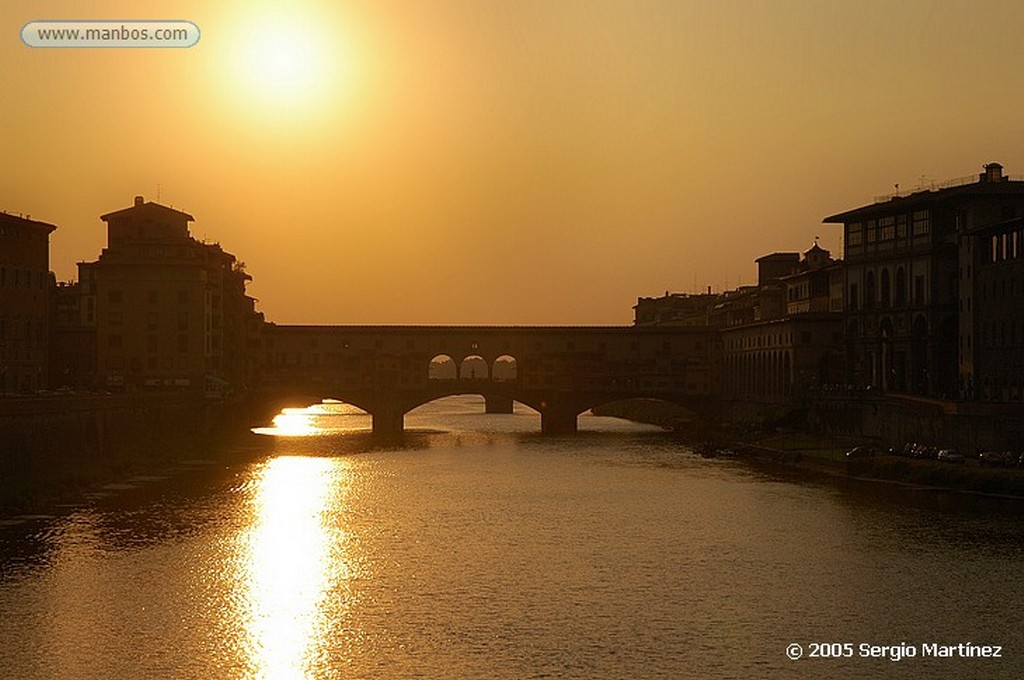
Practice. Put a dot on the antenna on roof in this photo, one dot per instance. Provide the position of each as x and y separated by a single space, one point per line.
158 192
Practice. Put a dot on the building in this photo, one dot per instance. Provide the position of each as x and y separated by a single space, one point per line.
991 340
675 309
781 339
816 286
72 339
24 306
170 312
910 260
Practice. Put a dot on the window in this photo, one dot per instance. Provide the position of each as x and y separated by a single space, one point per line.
901 287
854 235
922 223
887 228
871 231
901 226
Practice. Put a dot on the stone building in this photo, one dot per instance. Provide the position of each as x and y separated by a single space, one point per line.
909 264
72 339
170 312
991 341
781 339
24 307
675 309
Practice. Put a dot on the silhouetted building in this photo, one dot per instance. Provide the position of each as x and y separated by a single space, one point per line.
170 311
816 286
780 360
72 339
675 309
909 265
24 307
781 338
775 266
991 342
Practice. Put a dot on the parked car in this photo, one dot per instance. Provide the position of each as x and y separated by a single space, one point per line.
923 452
950 456
996 458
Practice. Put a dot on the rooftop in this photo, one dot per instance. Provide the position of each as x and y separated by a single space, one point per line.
143 207
25 221
991 181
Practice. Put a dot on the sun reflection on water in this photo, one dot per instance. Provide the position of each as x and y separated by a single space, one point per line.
294 422
294 557
327 417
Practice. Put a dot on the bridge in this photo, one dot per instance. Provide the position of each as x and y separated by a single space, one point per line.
558 371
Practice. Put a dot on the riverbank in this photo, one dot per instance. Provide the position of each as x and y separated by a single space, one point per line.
817 453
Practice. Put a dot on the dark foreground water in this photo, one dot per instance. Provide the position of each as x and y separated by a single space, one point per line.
482 550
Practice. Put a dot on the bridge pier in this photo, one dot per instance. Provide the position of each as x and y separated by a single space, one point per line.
388 421
498 404
558 421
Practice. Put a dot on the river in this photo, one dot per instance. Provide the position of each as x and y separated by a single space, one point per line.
479 549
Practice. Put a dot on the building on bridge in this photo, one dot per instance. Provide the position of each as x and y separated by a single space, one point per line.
558 371
24 307
169 311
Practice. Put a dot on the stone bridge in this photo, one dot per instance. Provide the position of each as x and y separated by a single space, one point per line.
558 371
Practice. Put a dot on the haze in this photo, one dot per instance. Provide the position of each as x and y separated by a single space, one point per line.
503 162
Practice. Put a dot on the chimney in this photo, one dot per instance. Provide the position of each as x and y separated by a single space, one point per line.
138 201
993 173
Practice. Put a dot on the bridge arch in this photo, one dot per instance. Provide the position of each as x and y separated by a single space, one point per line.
505 368
442 367
474 367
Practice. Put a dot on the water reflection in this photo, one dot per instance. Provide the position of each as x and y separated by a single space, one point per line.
294 422
327 417
293 558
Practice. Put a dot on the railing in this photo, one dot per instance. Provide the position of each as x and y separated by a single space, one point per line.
948 184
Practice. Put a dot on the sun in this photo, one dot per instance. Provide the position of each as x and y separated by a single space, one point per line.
286 59
282 59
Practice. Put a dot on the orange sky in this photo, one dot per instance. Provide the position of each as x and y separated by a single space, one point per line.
502 162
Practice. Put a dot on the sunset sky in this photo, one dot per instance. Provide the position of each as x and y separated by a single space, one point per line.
503 162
